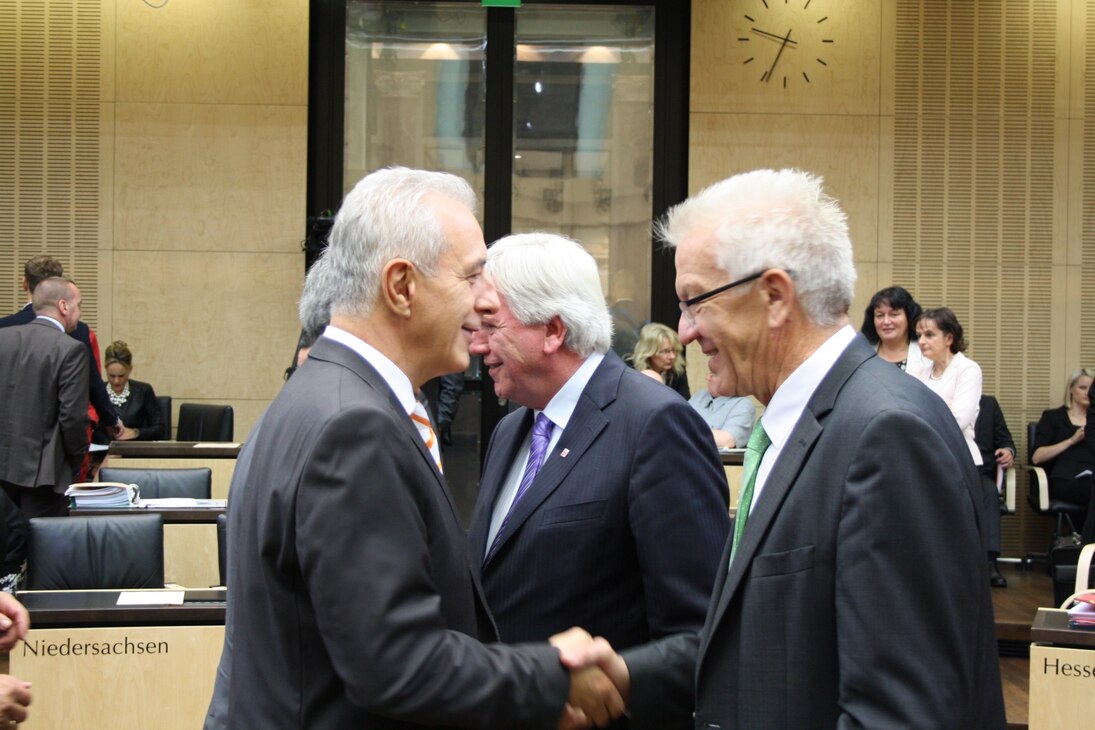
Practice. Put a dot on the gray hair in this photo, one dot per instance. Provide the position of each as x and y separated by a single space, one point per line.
386 217
775 220
542 275
315 302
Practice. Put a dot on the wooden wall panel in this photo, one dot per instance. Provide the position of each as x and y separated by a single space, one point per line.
214 177
49 143
213 52
208 325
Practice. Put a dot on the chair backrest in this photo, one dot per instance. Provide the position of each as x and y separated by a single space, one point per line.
204 422
108 551
164 402
222 547
160 483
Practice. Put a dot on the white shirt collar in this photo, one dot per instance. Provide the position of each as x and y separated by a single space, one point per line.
51 320
561 406
396 379
790 399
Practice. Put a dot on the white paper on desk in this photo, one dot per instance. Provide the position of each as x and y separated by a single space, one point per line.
181 503
215 445
97 448
150 598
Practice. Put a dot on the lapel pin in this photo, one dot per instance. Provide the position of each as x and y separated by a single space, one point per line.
563 453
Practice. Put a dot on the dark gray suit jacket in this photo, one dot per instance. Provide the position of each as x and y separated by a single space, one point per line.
620 536
43 405
351 594
860 595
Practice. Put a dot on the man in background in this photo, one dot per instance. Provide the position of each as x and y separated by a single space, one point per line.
351 596
35 270
43 405
603 502
997 456
854 590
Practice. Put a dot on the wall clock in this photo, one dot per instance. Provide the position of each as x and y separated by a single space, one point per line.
784 44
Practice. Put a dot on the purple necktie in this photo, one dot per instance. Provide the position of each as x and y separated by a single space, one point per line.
541 436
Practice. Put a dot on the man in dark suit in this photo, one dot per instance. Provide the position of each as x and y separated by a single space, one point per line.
857 592
35 270
352 599
43 409
621 526
997 453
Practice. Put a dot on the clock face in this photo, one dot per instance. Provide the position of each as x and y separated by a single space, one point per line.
784 44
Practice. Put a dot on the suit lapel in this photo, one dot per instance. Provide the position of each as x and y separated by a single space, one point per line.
586 423
506 440
337 353
782 478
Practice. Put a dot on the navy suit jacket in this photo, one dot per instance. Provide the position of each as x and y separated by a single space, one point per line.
621 531
97 394
859 596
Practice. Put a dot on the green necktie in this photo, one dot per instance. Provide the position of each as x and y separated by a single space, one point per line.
754 451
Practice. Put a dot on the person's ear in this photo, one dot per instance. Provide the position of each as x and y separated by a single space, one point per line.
780 296
397 286
555 335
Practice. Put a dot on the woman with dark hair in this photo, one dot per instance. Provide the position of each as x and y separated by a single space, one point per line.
957 380
659 354
135 401
888 325
947 372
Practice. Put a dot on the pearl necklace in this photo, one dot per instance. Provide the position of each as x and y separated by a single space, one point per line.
119 399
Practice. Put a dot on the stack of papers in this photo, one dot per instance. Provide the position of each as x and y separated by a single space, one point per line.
1082 615
102 495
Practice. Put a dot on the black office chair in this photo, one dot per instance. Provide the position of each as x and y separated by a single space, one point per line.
1040 502
161 483
108 552
222 547
164 402
204 422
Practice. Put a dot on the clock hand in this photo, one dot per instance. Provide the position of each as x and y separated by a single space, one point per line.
773 36
786 39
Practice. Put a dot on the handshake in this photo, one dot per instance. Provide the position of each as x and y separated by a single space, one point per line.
600 684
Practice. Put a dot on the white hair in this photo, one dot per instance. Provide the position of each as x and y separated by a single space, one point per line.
315 301
385 217
542 275
775 220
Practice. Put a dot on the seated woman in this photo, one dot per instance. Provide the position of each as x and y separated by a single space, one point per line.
135 401
1060 449
888 325
730 419
957 380
658 354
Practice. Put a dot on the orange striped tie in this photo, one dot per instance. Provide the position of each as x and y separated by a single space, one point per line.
425 430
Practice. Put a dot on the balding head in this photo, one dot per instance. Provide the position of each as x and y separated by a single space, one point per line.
59 298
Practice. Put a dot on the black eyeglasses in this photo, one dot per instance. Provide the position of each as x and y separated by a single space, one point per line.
686 305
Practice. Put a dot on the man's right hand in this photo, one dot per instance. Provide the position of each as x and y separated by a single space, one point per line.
14 699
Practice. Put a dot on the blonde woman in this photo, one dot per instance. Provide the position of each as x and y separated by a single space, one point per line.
1059 444
659 354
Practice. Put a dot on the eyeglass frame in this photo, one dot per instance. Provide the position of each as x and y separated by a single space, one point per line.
715 292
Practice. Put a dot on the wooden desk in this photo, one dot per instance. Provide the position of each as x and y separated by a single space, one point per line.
190 552
1062 667
96 665
220 458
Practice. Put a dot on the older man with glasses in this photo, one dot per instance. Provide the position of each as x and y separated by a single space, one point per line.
854 591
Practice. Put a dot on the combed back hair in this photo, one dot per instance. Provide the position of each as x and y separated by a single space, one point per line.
315 302
542 275
381 219
770 219
894 297
118 352
39 268
651 337
50 291
1072 378
946 321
